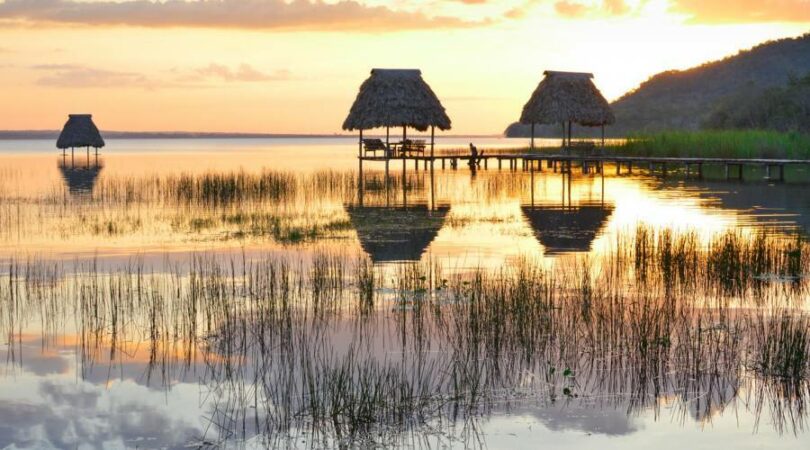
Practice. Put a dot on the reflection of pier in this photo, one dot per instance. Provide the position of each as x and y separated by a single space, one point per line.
80 176
567 227
390 234
391 226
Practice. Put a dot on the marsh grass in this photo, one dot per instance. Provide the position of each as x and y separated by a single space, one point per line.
346 353
718 144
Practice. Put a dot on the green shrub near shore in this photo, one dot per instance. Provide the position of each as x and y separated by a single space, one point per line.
718 144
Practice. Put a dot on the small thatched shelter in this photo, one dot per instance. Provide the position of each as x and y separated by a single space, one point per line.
80 131
396 98
566 98
392 234
562 229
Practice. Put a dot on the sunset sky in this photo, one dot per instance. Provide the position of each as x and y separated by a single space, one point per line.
295 66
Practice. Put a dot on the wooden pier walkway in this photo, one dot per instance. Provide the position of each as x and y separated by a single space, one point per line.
565 162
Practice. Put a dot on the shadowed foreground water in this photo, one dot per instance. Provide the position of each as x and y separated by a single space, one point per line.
152 300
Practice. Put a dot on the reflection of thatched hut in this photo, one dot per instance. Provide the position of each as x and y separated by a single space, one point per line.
566 98
79 131
396 98
567 229
389 234
80 178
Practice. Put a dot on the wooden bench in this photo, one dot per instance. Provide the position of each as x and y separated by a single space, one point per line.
413 146
373 146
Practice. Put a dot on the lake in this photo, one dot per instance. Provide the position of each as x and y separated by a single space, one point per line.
247 293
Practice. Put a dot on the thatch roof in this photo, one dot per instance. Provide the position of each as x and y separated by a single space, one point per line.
395 98
563 229
390 234
567 97
81 178
79 131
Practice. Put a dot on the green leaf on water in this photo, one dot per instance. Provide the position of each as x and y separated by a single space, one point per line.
568 372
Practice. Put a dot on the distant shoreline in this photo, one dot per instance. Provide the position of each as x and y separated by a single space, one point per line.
8 135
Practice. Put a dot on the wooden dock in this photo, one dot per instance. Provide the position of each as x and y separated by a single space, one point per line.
733 167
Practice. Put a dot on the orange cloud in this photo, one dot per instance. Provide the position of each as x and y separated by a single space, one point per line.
576 9
345 15
78 76
570 9
744 11
75 76
245 73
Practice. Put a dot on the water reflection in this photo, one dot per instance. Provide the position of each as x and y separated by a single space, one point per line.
80 176
266 312
757 204
395 234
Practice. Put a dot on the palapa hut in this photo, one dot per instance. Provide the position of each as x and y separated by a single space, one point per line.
80 131
396 98
563 229
395 234
565 98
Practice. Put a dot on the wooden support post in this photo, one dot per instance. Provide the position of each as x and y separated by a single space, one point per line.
360 153
603 135
500 161
532 144
432 140
442 163
767 171
781 172
664 169
618 167
726 170
569 133
404 184
740 172
700 171
630 167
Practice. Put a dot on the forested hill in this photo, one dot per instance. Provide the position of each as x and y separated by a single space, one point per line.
684 100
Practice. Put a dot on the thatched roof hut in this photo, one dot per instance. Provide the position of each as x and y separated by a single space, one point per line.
566 98
79 131
562 229
392 234
396 98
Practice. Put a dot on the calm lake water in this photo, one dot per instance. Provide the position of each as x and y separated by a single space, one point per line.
257 292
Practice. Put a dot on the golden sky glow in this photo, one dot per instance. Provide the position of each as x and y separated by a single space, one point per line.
294 67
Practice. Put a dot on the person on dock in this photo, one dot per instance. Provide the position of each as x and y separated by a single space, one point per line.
475 157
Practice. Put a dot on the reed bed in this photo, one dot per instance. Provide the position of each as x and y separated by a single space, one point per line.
718 144
342 353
